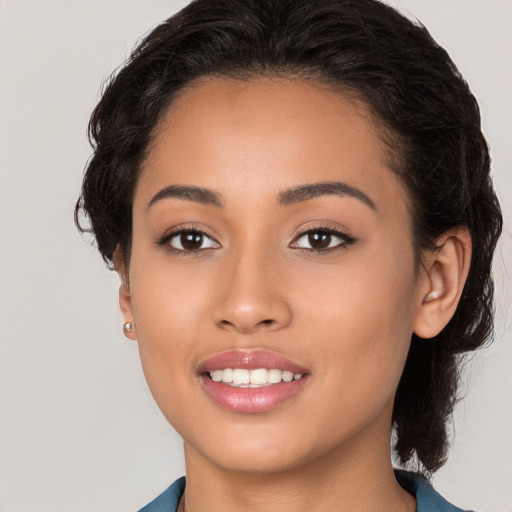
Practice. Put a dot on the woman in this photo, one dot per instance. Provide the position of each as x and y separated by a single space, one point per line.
296 197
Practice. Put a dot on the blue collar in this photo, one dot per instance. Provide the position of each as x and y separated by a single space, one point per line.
428 500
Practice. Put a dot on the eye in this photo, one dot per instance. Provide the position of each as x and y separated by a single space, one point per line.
189 240
322 240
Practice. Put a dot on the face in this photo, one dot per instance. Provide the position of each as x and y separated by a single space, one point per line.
271 238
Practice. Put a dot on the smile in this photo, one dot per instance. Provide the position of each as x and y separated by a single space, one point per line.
251 381
260 377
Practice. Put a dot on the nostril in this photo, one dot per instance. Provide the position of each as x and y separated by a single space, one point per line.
242 326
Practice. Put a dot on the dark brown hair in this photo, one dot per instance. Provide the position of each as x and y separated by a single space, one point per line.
417 95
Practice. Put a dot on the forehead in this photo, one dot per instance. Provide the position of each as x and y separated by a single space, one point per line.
265 134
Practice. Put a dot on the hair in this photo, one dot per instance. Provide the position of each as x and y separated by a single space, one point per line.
427 114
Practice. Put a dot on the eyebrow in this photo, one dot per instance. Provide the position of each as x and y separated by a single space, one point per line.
288 197
327 188
187 193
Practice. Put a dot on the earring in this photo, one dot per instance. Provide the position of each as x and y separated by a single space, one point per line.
432 295
127 327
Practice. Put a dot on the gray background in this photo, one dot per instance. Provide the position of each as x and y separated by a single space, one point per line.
78 428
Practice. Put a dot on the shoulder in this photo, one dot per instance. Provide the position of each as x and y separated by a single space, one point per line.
428 500
168 500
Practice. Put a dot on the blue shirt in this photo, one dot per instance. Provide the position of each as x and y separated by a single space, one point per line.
427 499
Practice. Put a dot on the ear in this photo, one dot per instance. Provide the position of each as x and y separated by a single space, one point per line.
125 300
445 273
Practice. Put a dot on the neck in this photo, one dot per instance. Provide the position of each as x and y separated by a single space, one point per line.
347 479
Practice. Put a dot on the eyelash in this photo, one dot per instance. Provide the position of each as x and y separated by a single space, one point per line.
346 240
165 240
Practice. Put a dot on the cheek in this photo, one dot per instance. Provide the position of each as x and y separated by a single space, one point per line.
166 299
362 322
167 313
367 289
167 335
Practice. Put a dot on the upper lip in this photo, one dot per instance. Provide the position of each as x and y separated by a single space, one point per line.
249 360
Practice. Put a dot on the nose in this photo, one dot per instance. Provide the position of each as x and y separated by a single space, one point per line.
252 297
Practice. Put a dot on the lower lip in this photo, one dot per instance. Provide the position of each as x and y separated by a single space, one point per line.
252 400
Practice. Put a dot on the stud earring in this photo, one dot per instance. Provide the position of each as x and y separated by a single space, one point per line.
432 295
127 327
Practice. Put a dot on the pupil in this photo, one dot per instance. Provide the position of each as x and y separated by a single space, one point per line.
319 239
191 241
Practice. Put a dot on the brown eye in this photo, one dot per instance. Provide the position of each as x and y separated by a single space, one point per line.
322 240
191 241
319 240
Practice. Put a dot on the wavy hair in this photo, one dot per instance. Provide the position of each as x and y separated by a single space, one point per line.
428 117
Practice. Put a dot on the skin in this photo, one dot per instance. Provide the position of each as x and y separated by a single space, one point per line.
346 315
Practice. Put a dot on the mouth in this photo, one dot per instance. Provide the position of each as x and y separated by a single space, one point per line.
251 381
258 378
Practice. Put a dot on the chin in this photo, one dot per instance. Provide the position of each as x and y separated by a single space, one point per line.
249 451
262 461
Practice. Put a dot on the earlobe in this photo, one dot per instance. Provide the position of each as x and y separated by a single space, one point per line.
446 270
125 301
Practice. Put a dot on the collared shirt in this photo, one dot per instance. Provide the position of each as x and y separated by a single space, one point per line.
427 499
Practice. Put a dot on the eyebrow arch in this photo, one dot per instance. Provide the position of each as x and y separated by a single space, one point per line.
327 188
187 193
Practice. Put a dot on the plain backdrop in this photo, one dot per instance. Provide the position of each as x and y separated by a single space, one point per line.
78 428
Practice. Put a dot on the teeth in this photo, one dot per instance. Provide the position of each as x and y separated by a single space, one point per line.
240 377
274 376
259 376
227 375
287 376
217 375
